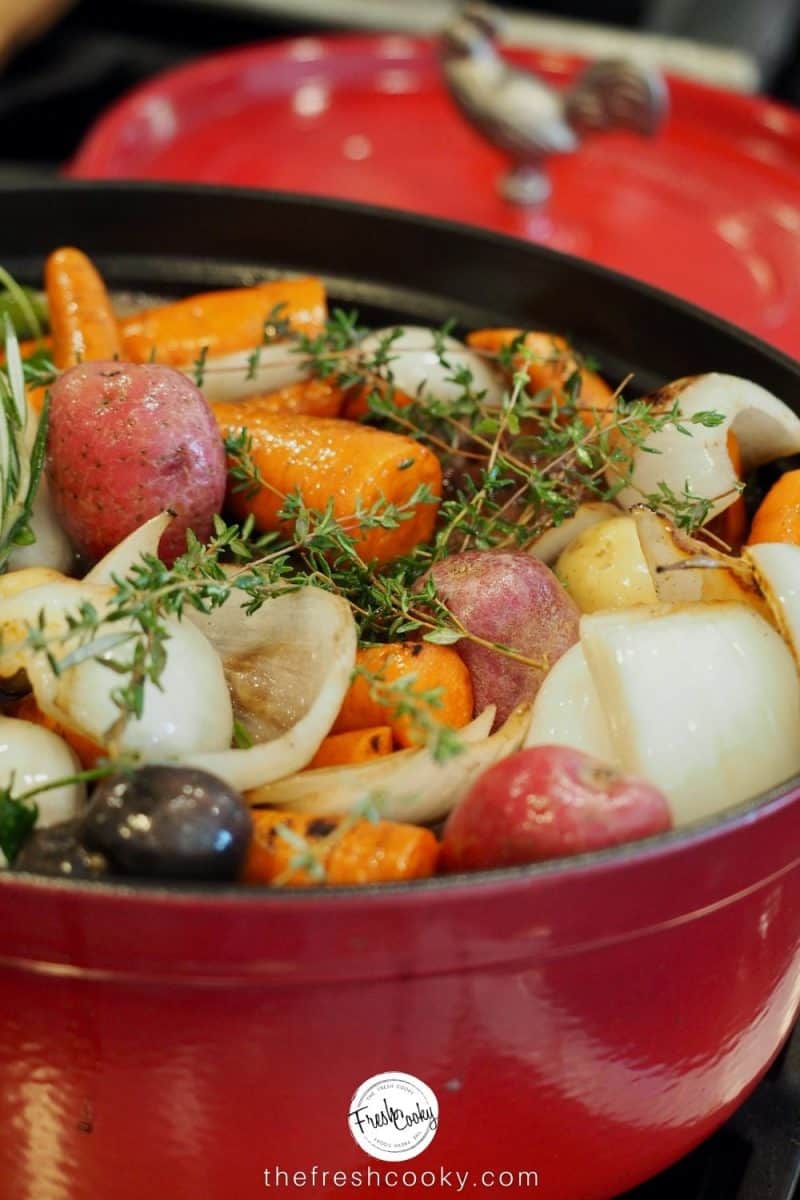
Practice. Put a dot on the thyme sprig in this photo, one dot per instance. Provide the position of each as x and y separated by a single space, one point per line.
311 855
513 469
520 466
404 698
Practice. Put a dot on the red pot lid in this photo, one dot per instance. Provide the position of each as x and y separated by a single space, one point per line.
708 209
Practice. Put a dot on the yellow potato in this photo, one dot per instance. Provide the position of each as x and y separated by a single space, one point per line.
604 567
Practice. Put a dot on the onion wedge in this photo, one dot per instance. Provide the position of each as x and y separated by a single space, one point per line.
33 756
190 709
687 571
764 426
51 547
249 372
407 786
127 553
419 370
776 570
567 710
703 701
287 667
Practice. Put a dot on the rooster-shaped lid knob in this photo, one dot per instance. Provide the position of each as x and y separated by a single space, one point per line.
523 116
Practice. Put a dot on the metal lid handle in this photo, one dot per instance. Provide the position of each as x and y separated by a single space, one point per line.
527 119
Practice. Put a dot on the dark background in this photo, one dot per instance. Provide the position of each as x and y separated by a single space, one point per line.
52 90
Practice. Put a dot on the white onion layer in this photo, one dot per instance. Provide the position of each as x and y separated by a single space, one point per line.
703 701
233 376
288 666
764 426
407 786
190 710
418 370
567 710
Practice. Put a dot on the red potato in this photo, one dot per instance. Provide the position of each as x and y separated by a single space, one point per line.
510 599
126 442
548 802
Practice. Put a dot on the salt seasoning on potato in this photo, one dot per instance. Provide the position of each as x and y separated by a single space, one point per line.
124 443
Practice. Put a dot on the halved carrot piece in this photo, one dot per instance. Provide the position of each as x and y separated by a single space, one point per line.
349 464
432 666
778 515
356 405
312 397
552 364
366 852
360 745
216 323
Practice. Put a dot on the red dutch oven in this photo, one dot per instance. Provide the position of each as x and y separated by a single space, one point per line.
708 209
582 1023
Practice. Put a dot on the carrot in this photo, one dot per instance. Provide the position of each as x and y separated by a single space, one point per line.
313 397
731 525
356 405
552 365
364 852
36 397
82 321
360 745
351 465
217 323
432 667
88 751
778 516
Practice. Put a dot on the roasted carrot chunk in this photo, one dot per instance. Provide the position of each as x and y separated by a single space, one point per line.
552 364
433 667
731 525
778 516
353 466
217 323
365 852
360 745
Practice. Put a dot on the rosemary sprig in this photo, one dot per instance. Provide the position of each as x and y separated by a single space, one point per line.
22 450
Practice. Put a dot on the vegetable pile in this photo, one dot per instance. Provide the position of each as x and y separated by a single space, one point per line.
287 601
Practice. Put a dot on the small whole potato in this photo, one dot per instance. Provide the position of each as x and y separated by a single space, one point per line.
604 567
126 442
510 599
548 802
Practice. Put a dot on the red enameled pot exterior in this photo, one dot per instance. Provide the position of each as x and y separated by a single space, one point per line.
587 1021
589 1024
